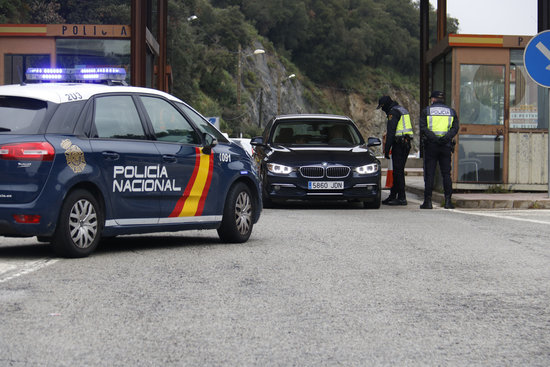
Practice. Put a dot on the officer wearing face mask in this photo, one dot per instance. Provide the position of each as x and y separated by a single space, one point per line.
399 134
438 127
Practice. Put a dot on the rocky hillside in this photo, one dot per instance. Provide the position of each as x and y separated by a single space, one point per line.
298 95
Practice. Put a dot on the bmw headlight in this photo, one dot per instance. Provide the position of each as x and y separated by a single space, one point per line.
279 169
367 169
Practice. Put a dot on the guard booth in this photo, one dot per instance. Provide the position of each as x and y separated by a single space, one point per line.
503 114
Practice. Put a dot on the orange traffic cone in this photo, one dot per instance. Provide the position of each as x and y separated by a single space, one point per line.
389 174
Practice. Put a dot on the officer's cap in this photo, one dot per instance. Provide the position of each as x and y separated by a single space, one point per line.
437 94
384 100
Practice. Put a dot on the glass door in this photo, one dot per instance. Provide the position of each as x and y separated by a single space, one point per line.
482 108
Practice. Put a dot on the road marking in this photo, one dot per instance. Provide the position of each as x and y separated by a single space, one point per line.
13 269
512 215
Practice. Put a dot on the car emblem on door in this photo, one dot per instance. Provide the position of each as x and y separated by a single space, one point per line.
74 156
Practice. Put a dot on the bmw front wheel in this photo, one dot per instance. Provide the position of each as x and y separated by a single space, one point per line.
374 203
238 215
79 226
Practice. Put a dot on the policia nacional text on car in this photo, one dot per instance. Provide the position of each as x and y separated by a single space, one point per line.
438 127
399 133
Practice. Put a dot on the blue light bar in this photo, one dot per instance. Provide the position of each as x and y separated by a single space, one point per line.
87 74
45 74
76 74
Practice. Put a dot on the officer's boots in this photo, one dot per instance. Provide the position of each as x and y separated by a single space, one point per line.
448 203
427 204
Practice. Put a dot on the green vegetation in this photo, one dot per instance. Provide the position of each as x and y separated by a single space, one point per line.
496 189
366 46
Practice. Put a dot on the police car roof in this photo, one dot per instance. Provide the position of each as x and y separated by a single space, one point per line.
68 92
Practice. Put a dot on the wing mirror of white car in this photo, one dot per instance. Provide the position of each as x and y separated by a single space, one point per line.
258 140
373 142
209 143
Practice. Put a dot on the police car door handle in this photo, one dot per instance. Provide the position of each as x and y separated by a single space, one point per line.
111 156
169 158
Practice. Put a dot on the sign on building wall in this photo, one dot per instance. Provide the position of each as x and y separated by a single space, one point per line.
65 30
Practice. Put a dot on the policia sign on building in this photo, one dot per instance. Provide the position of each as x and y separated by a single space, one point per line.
65 30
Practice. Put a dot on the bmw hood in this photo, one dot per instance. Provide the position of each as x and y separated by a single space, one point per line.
304 156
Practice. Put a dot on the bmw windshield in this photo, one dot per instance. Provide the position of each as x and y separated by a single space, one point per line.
316 133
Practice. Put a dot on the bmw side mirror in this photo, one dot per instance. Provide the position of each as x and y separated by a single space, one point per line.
373 142
258 140
209 143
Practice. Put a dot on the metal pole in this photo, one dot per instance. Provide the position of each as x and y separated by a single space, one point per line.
441 19
260 109
279 82
543 23
239 78
424 45
162 31
137 43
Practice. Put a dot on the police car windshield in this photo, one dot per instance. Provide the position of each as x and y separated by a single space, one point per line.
20 115
203 125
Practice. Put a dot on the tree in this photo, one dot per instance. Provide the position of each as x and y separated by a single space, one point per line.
13 11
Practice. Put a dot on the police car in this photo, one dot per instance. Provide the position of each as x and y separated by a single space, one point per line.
82 161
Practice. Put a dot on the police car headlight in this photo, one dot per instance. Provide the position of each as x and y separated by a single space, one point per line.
279 169
367 169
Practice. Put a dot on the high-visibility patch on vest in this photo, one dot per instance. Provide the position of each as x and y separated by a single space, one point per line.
404 126
440 120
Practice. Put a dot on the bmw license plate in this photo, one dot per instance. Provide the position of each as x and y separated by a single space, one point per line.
326 185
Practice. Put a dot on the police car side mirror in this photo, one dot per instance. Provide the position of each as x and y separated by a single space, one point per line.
209 143
373 142
258 140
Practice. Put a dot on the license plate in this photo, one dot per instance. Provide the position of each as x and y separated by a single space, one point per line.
326 185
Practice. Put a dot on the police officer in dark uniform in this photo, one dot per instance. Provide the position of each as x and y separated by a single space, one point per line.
399 133
438 127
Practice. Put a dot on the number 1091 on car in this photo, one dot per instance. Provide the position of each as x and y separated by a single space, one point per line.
326 185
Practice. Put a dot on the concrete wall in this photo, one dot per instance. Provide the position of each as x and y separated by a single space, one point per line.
528 159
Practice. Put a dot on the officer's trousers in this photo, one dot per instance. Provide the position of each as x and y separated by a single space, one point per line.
436 153
400 152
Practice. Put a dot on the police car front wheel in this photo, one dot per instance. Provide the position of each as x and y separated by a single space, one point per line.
238 212
79 226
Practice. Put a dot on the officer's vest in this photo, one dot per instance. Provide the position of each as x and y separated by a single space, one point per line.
440 120
404 126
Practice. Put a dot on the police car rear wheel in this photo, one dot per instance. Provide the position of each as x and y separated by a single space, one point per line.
79 226
238 212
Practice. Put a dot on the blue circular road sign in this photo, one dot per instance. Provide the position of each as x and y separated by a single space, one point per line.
536 58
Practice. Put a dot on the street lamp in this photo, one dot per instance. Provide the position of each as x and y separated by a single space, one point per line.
279 84
257 51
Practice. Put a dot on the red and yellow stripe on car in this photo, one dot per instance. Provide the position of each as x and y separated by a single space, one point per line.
191 203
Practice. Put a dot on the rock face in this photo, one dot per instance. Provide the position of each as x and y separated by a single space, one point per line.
273 92
372 122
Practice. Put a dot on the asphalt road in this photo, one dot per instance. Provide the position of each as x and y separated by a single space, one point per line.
322 286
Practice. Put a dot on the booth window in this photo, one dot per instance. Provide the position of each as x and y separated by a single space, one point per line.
482 94
75 52
442 74
480 158
15 66
528 107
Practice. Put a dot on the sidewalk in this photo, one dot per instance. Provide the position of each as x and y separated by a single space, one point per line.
414 182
